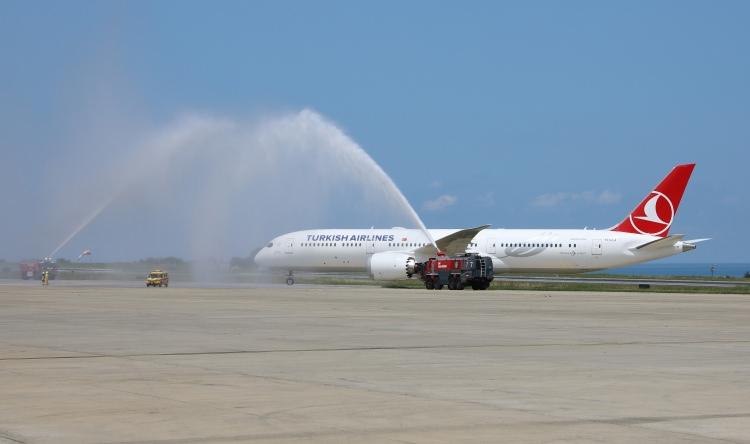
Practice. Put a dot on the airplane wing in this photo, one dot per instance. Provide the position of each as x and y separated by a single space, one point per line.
452 243
660 243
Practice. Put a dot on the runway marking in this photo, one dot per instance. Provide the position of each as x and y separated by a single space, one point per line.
5 436
373 348
625 421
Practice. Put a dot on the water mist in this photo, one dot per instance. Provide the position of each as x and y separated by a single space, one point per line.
274 174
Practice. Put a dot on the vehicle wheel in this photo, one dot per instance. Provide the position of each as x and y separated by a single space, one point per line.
438 286
428 284
290 281
166 285
459 285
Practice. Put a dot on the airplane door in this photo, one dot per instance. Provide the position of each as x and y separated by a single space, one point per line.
369 247
289 246
579 249
596 247
491 248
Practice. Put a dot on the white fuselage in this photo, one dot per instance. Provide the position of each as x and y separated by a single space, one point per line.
511 250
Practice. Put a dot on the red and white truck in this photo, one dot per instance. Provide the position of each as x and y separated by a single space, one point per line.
457 272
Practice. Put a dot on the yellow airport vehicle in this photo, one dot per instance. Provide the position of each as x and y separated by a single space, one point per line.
157 278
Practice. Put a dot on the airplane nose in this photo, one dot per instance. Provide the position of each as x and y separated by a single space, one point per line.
260 258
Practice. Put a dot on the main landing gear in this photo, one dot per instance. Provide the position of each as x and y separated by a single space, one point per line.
290 278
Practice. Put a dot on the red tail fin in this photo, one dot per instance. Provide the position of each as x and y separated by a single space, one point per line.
656 213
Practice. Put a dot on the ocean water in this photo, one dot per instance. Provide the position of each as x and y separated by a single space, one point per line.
735 269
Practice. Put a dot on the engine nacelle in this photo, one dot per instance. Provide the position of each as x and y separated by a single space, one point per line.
391 266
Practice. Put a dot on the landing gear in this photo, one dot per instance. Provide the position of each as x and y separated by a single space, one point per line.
290 278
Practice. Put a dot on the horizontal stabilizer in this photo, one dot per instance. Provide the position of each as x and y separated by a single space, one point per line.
664 242
695 241
453 243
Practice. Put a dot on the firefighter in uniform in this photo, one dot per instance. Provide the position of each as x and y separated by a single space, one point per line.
45 278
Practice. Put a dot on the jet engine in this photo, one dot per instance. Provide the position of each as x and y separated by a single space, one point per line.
391 266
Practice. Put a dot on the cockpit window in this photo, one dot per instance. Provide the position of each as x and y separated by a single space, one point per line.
270 244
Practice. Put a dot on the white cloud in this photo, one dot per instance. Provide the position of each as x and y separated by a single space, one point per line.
440 202
605 197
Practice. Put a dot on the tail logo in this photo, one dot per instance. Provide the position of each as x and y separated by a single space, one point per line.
658 214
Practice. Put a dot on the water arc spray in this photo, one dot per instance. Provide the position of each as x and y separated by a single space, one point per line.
241 152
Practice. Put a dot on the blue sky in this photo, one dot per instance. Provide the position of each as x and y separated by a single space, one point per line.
518 114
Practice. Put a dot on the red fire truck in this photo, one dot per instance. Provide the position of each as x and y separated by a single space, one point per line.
457 272
33 269
30 270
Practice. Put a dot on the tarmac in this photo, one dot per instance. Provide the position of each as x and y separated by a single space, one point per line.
101 364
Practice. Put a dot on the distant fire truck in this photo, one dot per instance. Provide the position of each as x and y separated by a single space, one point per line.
34 269
457 272
30 270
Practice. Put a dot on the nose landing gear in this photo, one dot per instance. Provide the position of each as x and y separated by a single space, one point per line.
290 278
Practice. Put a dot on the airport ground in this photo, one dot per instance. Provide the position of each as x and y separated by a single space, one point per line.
94 362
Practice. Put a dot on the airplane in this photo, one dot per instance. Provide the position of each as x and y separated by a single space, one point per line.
392 254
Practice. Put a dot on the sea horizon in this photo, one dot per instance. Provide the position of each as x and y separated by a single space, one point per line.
720 269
